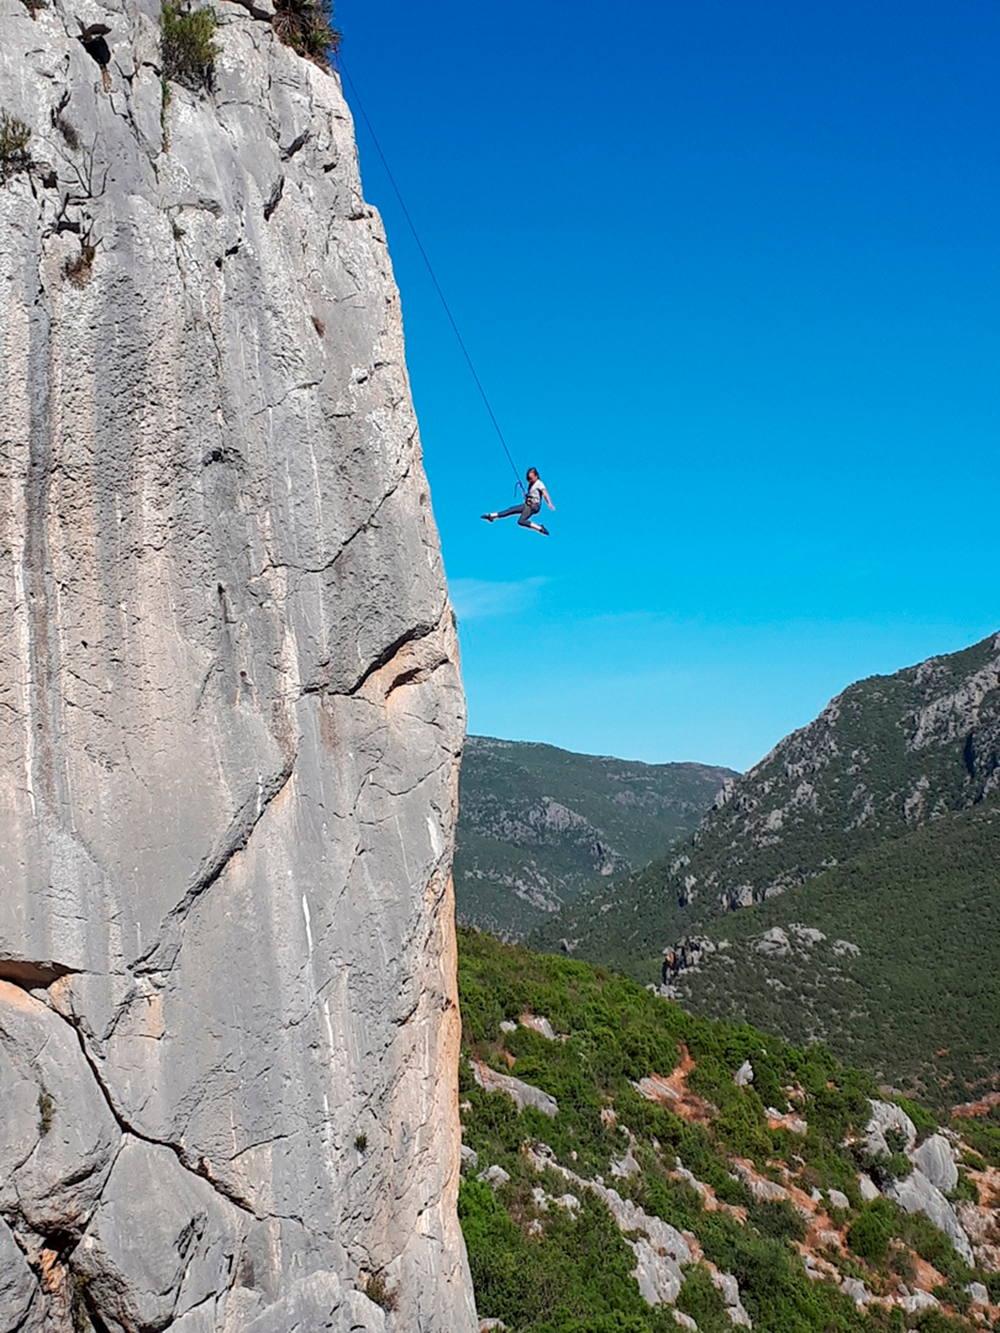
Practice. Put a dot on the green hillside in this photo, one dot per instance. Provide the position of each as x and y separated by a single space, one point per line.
907 978
874 825
660 1187
537 825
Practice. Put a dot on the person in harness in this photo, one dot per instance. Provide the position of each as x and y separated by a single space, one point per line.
533 498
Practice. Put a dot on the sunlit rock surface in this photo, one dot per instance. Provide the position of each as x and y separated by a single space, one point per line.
230 711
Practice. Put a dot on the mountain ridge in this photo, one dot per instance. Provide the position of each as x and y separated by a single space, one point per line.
538 824
884 783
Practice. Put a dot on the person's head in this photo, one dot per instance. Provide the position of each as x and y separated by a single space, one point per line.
532 474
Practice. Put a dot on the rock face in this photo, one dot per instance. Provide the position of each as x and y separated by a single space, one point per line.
231 711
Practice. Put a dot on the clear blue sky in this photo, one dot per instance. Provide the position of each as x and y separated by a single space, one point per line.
730 275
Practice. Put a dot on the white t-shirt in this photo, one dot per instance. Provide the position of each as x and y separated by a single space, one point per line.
535 491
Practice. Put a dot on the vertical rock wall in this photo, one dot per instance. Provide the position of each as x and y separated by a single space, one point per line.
230 712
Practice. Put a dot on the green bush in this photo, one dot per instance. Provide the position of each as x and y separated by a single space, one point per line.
934 1321
932 1244
778 1219
924 1120
307 27
871 1233
14 138
983 1137
965 1188
189 46
701 1299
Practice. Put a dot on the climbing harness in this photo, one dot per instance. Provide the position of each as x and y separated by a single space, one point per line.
430 270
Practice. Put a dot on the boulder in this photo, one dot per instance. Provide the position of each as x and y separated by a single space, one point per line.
978 1293
538 1023
494 1176
885 1116
857 1291
867 1187
729 1289
936 1159
920 1300
523 1094
744 1075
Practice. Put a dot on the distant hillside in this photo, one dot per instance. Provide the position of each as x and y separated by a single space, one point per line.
628 1168
537 825
874 825
893 959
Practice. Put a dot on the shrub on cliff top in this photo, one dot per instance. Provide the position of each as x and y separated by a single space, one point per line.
189 47
307 27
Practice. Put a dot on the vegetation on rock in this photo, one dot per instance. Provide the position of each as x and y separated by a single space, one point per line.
743 1173
15 136
189 46
307 26
862 853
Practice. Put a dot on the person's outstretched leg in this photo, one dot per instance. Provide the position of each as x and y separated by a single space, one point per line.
504 513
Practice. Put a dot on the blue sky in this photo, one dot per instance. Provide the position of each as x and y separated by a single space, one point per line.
730 276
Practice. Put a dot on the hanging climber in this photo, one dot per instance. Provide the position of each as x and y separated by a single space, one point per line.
533 498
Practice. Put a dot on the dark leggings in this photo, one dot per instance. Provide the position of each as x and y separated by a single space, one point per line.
526 510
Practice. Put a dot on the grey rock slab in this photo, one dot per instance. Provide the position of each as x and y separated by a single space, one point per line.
523 1094
232 709
540 1024
18 1288
744 1075
886 1116
57 1134
857 1291
625 1166
838 1199
729 1288
494 1176
936 1159
867 1187
978 1293
915 1194
919 1300
161 1242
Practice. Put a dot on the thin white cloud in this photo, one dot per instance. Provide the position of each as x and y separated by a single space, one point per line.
481 599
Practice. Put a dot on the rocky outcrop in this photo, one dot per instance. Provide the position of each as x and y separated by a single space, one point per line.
522 1094
934 1171
231 711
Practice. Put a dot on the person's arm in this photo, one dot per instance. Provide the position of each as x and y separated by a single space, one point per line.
548 500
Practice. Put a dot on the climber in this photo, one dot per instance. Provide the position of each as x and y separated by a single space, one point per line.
670 968
533 498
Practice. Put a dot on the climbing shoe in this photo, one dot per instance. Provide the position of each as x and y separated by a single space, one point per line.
489 517
543 529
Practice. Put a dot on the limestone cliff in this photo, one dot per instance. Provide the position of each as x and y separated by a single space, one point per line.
230 712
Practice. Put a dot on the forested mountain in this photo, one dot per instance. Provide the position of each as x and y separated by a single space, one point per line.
874 827
629 1168
537 825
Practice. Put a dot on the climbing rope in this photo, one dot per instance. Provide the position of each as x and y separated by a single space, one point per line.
430 270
